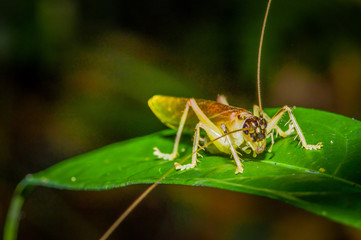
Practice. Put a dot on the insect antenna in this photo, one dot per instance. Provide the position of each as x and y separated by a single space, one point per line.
259 60
151 187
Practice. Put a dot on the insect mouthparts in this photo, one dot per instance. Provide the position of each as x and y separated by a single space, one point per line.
261 136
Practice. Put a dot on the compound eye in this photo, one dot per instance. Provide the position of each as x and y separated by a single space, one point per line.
263 123
246 126
251 130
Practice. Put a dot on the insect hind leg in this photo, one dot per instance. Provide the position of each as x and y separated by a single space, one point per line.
202 118
272 124
174 154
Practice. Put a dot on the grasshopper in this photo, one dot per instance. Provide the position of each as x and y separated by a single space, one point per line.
227 129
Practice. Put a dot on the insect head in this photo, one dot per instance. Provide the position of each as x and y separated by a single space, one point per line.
257 128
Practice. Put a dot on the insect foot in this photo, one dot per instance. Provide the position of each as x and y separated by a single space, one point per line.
164 155
314 147
183 167
239 170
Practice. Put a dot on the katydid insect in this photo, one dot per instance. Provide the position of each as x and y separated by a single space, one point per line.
227 129
217 119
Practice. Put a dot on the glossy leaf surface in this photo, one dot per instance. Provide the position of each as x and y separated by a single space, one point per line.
326 182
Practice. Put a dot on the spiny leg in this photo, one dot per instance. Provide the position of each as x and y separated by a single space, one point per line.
272 124
234 152
205 123
214 132
173 155
202 118
196 146
272 141
194 151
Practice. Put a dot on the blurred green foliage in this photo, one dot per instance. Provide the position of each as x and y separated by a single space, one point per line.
76 75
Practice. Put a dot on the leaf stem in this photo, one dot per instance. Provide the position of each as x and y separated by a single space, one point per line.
14 212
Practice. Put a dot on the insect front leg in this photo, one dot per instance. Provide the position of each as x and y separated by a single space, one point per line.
234 152
174 154
272 124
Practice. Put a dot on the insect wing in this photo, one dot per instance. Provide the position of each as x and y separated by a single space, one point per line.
169 110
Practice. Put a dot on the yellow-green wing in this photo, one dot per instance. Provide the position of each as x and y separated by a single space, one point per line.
169 110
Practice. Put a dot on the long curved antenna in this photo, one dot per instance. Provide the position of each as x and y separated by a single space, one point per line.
151 187
133 205
259 60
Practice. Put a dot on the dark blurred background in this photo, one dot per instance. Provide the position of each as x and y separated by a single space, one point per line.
76 75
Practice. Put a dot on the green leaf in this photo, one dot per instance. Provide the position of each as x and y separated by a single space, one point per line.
326 182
